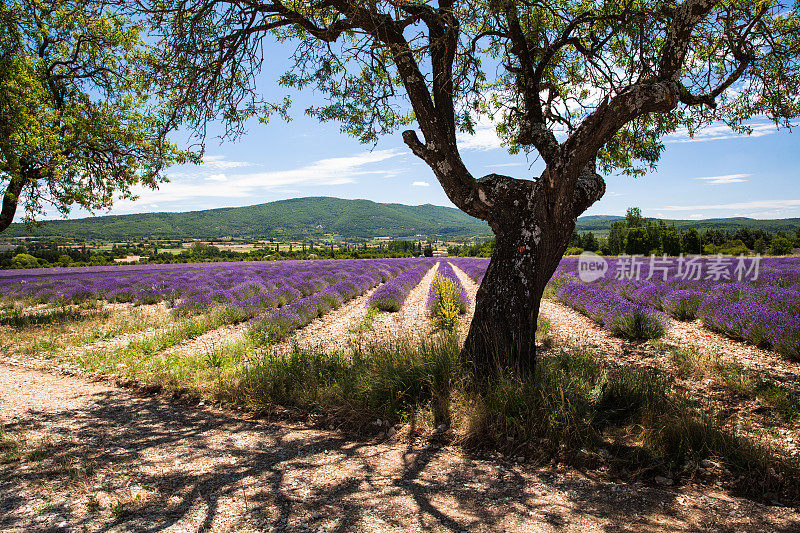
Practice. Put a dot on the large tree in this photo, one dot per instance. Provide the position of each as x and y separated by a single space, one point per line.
589 87
76 125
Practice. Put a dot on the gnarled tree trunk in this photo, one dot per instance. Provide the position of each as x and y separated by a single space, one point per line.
532 230
503 329
10 201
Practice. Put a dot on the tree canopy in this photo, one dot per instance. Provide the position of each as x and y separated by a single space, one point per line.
637 69
76 123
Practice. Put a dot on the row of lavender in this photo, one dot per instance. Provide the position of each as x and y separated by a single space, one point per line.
250 287
276 324
619 315
753 300
391 295
757 300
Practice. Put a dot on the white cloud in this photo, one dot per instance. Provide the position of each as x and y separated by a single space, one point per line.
726 179
484 139
220 162
721 131
696 216
420 184
187 184
742 206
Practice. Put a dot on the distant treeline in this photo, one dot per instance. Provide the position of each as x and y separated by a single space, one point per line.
636 235
46 254
632 235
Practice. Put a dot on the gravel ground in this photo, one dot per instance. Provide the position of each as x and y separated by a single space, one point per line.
333 331
410 322
577 328
99 458
745 415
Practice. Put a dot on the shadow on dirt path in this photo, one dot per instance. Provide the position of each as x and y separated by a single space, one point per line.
80 455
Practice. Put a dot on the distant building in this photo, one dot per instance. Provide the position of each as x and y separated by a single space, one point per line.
440 253
128 259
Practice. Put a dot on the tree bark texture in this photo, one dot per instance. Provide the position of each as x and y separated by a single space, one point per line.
531 235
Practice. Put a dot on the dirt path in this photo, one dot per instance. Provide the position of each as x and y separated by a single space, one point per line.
98 458
472 290
332 331
127 323
410 322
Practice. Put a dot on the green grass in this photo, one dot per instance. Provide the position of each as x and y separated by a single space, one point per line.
11 446
149 351
691 362
387 382
48 339
785 402
60 315
544 332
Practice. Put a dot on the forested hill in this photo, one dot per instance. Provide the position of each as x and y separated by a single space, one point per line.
295 219
300 218
600 223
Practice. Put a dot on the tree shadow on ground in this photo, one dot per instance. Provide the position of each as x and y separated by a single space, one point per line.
133 462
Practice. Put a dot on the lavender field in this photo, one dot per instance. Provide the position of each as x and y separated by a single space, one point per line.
335 334
749 299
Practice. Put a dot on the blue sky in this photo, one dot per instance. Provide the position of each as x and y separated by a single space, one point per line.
715 174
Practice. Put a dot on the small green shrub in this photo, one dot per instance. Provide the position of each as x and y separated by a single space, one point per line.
446 304
638 324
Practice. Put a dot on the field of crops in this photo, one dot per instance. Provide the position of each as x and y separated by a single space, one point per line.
757 301
752 300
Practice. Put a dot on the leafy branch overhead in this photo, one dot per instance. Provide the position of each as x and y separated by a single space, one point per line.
620 73
76 123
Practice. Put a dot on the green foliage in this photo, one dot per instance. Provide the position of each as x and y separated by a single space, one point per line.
76 123
24 261
780 246
690 241
446 305
576 57
616 237
368 322
638 325
637 241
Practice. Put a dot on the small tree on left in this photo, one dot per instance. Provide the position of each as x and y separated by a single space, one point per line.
76 124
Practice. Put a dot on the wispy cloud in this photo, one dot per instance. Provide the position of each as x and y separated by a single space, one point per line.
484 139
200 182
721 131
739 206
220 162
420 184
726 179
